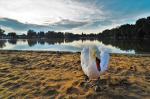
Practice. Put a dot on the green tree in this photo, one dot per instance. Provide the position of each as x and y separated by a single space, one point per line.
1 32
31 34
12 35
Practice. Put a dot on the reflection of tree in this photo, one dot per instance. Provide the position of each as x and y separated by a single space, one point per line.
32 42
67 40
24 40
12 41
2 43
54 41
138 45
41 41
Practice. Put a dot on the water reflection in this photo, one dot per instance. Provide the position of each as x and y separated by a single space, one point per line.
117 46
12 41
32 42
2 43
139 46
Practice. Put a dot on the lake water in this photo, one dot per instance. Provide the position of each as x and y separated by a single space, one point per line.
62 45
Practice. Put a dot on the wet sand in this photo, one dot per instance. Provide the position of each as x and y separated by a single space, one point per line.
29 74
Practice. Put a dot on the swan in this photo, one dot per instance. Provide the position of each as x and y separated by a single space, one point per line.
94 60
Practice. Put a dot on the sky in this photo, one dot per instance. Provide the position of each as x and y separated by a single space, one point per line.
77 16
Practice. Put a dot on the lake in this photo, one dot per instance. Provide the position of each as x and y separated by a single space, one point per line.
131 47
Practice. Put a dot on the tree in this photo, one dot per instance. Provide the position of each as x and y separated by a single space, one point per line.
1 32
31 34
12 35
140 30
143 27
41 34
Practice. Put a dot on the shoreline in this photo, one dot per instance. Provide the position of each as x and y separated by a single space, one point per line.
51 74
65 52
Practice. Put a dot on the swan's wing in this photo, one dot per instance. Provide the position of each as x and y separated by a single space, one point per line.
84 57
104 56
88 63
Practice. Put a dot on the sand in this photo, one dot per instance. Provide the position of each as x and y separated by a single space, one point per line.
42 75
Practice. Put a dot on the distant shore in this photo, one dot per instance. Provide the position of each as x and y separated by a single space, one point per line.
48 74
65 52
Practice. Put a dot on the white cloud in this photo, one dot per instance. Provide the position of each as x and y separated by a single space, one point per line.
95 30
83 15
49 11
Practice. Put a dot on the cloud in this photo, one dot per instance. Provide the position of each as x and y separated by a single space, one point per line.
68 24
40 11
18 26
70 15
61 25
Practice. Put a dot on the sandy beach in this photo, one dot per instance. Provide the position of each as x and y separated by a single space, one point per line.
44 75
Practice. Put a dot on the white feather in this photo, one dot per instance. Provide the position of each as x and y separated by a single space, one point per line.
88 61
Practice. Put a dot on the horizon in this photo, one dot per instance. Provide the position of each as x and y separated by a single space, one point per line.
90 16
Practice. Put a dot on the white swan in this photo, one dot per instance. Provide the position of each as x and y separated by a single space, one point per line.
89 64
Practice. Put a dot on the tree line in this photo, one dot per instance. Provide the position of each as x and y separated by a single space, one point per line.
140 30
49 35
